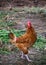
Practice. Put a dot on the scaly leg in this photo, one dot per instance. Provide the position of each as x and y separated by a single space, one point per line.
28 58
22 55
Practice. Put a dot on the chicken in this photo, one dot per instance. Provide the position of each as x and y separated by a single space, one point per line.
25 41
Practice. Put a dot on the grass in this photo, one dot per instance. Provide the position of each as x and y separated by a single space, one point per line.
30 9
5 39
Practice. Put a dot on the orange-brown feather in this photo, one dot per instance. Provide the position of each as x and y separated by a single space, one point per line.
26 40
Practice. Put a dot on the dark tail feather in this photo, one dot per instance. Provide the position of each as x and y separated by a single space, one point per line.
11 35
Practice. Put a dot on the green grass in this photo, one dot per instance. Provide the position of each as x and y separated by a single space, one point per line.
40 43
30 9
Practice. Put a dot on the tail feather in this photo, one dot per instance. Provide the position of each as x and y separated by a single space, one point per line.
11 35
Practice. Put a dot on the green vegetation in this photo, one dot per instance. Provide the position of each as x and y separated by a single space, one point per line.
4 34
30 10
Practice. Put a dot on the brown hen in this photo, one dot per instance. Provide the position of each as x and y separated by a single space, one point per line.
25 41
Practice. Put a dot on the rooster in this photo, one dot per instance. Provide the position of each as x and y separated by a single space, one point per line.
25 41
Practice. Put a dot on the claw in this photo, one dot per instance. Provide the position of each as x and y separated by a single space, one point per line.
22 57
25 56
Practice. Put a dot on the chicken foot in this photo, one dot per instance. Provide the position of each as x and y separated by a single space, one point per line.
25 56
22 55
24 51
28 58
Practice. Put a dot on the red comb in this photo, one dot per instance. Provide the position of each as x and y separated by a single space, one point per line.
29 22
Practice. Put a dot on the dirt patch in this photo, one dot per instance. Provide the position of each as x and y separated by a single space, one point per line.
14 58
22 3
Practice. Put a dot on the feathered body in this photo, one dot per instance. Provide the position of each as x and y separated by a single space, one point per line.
26 40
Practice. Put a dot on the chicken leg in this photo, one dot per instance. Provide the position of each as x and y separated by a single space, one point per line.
22 55
27 58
